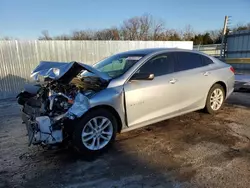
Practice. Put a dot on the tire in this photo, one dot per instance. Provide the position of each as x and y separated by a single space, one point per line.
88 131
210 106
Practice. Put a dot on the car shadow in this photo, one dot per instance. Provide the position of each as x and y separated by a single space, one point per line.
115 168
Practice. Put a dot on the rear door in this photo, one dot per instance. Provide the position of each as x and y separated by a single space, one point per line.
193 76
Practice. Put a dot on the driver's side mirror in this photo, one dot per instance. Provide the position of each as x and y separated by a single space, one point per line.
142 76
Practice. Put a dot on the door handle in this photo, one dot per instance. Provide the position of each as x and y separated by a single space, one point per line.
206 73
172 81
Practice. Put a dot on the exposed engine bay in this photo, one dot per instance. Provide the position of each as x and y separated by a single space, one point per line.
63 96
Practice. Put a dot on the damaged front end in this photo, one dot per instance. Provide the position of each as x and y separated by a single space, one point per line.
63 96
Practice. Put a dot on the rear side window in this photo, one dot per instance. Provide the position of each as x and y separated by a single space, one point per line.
206 60
159 65
187 60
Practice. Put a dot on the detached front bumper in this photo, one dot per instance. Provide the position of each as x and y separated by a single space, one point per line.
39 128
29 126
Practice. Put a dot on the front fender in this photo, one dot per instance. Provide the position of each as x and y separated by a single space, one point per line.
113 97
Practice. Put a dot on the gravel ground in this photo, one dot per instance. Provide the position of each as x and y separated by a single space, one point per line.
194 150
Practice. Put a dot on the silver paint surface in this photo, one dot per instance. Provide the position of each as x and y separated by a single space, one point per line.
142 102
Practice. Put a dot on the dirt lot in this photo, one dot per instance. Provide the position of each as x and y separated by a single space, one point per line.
194 150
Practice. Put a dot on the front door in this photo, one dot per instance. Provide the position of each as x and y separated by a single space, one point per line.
148 101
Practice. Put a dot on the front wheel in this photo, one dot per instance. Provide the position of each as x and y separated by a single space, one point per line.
215 99
95 132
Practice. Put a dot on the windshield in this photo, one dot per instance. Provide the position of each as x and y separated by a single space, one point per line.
116 65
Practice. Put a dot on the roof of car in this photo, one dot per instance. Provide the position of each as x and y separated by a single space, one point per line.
147 51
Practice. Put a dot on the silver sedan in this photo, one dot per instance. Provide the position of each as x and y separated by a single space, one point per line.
150 85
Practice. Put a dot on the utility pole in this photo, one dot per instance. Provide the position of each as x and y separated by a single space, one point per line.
223 35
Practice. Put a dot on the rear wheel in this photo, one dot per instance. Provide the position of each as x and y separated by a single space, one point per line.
95 132
215 99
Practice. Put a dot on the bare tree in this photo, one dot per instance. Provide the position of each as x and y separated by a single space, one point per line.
45 35
107 34
130 28
142 28
62 37
82 35
215 35
145 23
116 34
188 33
158 27
172 35
241 27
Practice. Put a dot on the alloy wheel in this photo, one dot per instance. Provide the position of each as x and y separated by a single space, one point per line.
97 133
216 99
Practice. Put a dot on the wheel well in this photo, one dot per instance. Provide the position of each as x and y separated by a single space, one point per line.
223 85
113 111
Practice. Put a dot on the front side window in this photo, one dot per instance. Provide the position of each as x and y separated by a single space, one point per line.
187 60
159 65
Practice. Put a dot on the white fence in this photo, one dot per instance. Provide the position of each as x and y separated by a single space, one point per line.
19 58
211 49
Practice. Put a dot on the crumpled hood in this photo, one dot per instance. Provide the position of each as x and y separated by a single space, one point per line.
63 71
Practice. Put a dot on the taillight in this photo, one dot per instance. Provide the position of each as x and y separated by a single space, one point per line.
232 69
